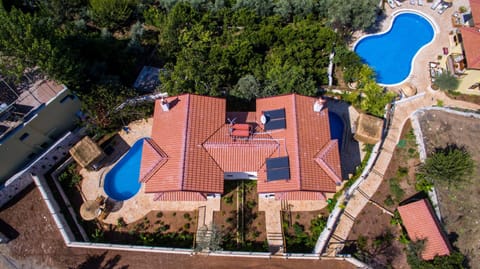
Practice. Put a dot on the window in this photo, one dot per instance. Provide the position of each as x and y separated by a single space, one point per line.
24 136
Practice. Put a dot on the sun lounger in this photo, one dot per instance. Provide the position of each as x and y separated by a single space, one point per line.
436 4
391 4
442 8
412 2
420 2
476 85
398 3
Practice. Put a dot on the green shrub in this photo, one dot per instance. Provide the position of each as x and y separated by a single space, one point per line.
396 190
389 201
228 199
121 222
159 214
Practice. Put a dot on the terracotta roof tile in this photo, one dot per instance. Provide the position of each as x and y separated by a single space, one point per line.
420 222
300 195
238 154
153 158
471 41
180 133
196 139
475 8
179 196
307 132
327 157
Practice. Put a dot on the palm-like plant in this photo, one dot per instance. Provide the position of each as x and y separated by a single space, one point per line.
446 81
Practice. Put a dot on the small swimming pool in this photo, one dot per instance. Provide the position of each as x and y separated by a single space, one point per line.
336 127
391 54
122 181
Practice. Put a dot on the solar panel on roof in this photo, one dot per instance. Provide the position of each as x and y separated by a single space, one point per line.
275 124
275 114
278 174
278 168
279 162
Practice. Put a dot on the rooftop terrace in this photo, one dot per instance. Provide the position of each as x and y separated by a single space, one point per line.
20 99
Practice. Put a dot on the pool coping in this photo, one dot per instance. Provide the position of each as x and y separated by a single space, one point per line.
110 167
431 21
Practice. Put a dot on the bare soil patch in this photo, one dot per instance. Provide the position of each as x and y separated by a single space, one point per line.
459 204
302 228
157 228
373 238
39 245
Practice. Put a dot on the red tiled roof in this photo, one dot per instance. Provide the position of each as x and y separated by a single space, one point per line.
153 158
475 8
179 196
196 139
240 155
421 223
307 132
180 133
300 195
471 41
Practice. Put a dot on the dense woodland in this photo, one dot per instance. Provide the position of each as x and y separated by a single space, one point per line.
237 48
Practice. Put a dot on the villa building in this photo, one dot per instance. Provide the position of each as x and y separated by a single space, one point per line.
471 37
33 115
285 145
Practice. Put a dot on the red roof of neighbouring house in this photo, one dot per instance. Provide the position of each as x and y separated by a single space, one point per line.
471 41
192 146
475 8
420 222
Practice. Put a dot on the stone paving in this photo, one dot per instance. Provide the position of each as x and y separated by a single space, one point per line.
403 110
370 185
142 203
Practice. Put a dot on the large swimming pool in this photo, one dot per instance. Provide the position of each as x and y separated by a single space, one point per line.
122 182
391 53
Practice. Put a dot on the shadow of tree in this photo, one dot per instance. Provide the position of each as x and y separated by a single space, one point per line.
98 261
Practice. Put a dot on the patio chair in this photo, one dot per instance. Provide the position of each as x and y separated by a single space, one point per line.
442 8
391 4
412 2
398 3
420 2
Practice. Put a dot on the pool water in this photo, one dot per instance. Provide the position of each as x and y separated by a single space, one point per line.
336 128
122 182
390 54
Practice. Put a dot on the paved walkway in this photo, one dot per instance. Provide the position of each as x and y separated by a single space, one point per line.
369 186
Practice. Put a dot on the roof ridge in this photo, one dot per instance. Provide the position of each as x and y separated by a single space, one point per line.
186 137
322 162
161 161
294 108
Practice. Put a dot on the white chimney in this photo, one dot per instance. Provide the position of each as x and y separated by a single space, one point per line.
165 105
319 104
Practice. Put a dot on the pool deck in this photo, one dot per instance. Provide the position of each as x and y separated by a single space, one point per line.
420 76
141 204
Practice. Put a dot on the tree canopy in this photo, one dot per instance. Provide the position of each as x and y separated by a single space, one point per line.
452 164
239 48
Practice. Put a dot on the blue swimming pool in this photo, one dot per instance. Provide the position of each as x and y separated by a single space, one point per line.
336 127
122 182
390 54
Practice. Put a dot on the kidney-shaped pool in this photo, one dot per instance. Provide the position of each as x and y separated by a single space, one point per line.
122 181
391 54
